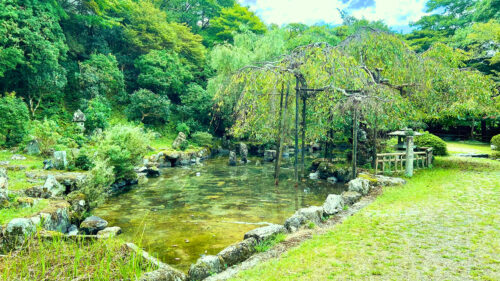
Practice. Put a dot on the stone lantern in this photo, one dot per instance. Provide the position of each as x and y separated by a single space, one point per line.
79 119
407 135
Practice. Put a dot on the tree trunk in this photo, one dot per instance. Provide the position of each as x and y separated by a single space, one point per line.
279 148
354 140
484 136
296 130
303 135
374 143
472 130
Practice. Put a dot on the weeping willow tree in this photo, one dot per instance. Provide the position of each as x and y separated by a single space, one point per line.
371 75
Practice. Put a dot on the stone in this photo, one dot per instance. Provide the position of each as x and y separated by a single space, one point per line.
179 140
16 168
57 220
17 232
79 116
314 176
294 222
238 252
332 180
232 158
4 184
92 225
333 204
205 266
327 169
359 185
243 152
389 181
60 160
17 157
164 273
151 172
53 187
33 147
4 180
142 178
72 230
313 214
263 233
269 155
109 232
26 201
4 163
47 164
350 197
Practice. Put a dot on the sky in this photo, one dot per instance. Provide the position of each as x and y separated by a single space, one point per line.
395 13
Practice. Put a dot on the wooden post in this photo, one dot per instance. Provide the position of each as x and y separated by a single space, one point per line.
280 140
296 130
354 138
303 134
409 156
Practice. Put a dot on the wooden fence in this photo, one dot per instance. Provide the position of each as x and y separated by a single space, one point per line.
397 161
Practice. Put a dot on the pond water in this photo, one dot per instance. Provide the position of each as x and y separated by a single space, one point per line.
196 210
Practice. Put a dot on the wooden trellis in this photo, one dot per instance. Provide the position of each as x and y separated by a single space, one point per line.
397 161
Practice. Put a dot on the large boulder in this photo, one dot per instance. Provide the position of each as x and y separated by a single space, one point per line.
389 181
53 187
33 147
238 252
243 152
93 224
205 266
232 158
60 160
17 232
164 273
109 232
179 140
269 155
333 204
350 197
294 222
359 185
263 233
313 214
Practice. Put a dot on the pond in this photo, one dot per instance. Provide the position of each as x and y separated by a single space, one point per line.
191 211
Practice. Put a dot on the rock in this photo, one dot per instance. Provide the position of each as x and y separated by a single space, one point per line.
4 163
243 152
17 232
333 204
33 147
263 233
332 180
109 232
16 168
269 155
238 252
60 160
151 172
327 169
17 157
359 185
72 230
294 222
389 181
47 164
142 178
164 273
53 187
313 214
179 140
26 201
93 224
204 267
4 193
232 158
473 155
314 176
79 116
56 219
350 197
4 180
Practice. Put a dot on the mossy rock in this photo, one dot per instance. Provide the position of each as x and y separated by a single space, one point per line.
370 178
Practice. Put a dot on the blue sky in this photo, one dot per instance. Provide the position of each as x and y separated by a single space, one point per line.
395 13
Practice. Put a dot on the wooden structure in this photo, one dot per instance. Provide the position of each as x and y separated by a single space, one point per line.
397 161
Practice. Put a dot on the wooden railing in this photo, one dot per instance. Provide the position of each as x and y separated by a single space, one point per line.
397 161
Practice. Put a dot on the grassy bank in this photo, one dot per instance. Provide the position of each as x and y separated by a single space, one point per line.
457 147
442 225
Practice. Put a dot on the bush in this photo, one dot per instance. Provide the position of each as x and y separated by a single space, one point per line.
202 138
183 127
46 132
148 107
496 142
97 181
13 121
97 113
123 147
430 140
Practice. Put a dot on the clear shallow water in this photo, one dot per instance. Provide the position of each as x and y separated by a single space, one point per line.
196 210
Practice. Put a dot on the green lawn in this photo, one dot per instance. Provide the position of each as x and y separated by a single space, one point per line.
7 214
442 225
457 147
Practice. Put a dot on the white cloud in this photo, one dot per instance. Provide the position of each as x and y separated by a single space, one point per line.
396 13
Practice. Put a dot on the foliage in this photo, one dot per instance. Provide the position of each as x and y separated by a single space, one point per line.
202 138
47 133
496 142
14 120
122 147
148 107
196 106
267 244
183 127
97 182
430 140
100 76
97 113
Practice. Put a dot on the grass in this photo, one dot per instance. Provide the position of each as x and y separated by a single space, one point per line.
17 179
442 225
267 244
7 214
60 259
457 147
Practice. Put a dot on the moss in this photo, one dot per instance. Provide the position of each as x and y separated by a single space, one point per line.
368 177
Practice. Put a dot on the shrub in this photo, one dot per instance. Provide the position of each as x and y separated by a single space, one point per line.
46 132
183 127
496 142
123 147
13 121
97 113
430 140
148 107
97 181
202 138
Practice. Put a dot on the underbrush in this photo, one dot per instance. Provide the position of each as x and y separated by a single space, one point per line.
60 259
267 244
